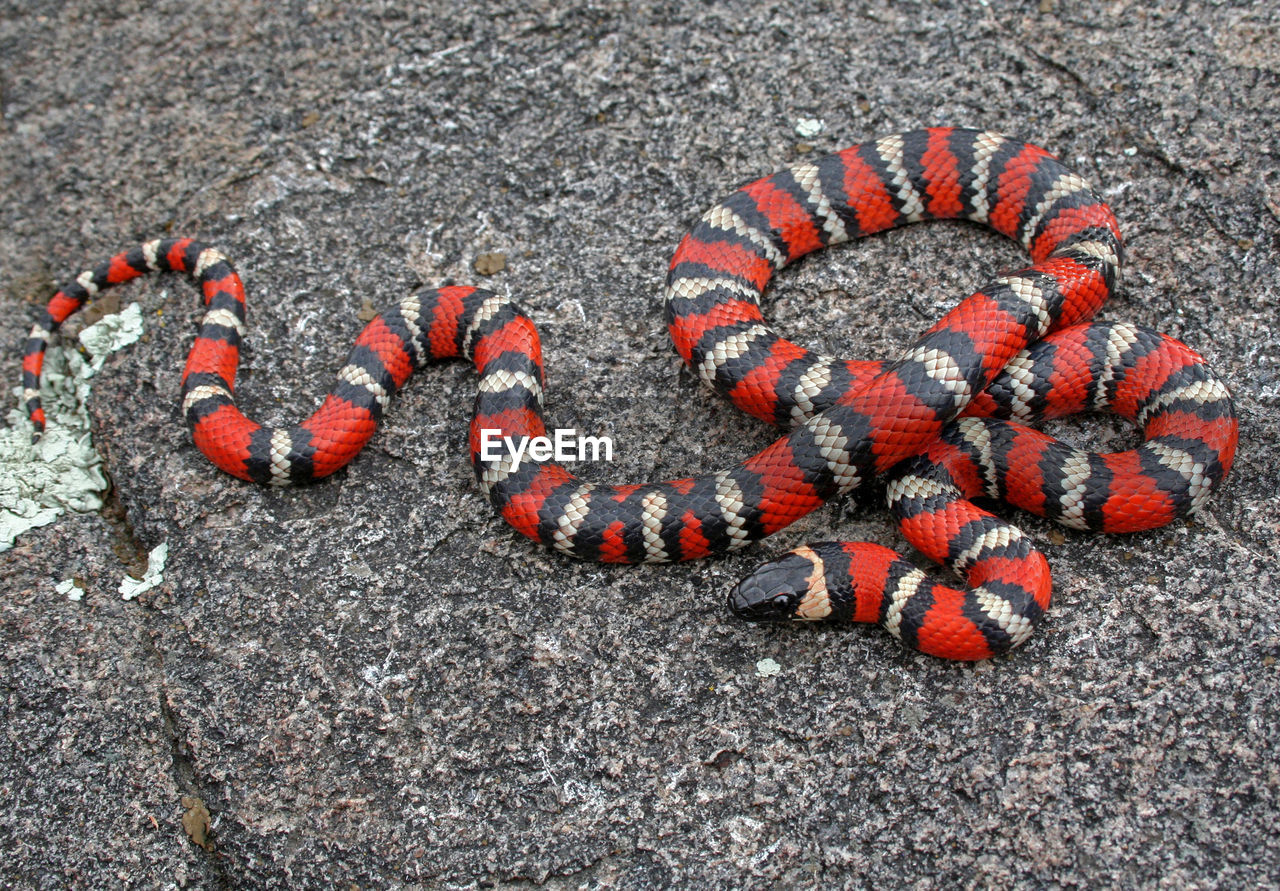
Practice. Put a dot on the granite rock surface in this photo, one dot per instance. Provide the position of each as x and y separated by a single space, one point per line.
373 682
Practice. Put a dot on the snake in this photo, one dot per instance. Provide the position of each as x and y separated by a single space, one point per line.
945 422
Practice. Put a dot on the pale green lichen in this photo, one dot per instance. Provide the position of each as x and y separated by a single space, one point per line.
154 574
69 588
767 668
112 333
62 472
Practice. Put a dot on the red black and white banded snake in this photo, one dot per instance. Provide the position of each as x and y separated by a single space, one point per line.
851 420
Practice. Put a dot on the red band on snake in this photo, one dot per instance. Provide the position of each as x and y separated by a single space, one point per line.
852 420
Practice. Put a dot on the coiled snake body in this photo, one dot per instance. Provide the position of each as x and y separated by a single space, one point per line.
851 420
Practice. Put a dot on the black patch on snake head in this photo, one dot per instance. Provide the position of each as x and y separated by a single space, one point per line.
774 591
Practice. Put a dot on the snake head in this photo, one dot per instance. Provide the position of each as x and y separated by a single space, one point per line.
792 587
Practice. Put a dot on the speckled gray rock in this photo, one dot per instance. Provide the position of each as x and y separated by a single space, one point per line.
373 681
